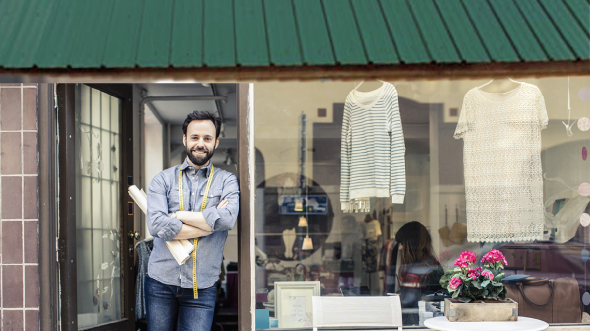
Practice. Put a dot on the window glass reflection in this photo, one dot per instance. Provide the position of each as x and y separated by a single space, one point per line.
316 158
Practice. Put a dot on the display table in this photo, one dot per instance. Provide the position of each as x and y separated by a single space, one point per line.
523 324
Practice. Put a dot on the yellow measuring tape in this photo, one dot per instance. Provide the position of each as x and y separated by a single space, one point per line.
196 240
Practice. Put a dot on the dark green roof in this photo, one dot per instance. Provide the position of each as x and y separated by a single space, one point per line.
260 33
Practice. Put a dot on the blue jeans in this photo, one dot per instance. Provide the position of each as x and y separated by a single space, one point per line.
171 307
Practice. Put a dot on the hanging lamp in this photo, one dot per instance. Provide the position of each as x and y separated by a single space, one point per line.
302 221
298 205
307 244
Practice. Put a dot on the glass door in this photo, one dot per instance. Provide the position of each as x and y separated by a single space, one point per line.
99 267
98 223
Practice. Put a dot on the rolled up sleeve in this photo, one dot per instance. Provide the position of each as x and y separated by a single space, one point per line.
159 224
224 219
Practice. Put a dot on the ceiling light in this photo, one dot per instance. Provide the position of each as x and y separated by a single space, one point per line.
307 244
302 221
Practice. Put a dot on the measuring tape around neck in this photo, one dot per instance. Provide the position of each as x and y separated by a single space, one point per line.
203 205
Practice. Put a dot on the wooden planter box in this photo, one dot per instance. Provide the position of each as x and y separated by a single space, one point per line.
478 311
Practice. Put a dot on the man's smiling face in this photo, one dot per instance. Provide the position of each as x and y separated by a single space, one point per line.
200 141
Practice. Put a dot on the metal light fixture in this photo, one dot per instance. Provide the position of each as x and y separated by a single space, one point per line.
302 221
307 244
298 205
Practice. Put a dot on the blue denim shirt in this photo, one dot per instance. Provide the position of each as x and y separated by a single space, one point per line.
162 199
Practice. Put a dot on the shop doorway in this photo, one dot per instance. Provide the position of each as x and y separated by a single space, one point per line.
112 136
163 109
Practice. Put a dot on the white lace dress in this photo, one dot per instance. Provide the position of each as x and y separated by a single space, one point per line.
502 161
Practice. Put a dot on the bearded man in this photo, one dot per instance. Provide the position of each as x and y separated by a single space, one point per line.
194 201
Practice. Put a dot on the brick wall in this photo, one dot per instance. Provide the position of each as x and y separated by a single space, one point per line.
19 277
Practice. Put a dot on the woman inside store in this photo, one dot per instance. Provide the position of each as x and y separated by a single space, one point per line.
417 270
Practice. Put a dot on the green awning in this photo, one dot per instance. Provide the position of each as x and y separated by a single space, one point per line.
50 34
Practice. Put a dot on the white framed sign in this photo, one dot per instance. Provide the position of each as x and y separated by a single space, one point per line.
293 303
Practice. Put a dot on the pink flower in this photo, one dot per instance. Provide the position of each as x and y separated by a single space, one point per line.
461 264
465 259
474 273
488 274
455 282
468 256
494 256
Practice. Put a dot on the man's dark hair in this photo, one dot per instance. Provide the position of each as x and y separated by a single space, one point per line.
199 115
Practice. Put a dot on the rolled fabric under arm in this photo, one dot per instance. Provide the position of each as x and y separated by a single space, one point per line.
180 249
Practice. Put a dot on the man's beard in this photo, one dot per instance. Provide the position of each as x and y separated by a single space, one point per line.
201 159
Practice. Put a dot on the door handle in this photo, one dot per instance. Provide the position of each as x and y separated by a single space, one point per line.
133 235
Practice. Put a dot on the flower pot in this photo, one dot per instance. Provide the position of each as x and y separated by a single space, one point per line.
481 310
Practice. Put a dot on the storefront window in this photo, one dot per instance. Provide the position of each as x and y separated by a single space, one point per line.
377 189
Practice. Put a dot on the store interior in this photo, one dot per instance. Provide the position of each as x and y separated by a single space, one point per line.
298 129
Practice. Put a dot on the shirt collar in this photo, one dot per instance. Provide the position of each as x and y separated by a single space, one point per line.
185 165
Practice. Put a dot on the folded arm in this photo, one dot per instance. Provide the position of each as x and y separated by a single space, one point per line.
189 232
197 219
160 225
216 218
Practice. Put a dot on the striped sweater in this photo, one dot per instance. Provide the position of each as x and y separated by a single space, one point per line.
372 147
